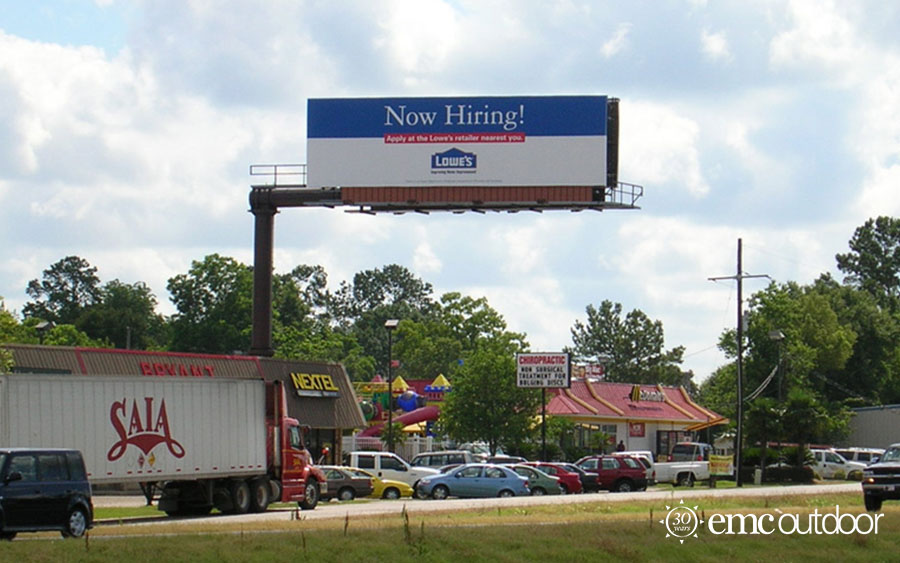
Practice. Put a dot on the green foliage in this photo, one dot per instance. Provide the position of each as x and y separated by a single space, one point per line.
873 263
631 348
485 404
125 315
214 302
67 288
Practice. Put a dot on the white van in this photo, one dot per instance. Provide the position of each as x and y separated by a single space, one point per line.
387 465
828 464
862 455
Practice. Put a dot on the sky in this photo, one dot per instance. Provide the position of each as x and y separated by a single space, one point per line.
127 130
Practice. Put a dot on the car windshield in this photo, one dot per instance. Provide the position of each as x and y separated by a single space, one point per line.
892 454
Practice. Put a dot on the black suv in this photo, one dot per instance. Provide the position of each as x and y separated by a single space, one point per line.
44 489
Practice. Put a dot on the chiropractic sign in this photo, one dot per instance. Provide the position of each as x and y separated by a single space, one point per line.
467 142
548 370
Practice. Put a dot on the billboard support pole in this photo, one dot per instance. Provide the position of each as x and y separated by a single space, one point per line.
263 244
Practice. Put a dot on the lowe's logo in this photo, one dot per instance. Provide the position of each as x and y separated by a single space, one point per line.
453 159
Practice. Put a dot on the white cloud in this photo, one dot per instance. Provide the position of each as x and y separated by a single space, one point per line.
617 42
659 145
715 46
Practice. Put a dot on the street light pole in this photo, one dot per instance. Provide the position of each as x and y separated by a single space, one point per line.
390 325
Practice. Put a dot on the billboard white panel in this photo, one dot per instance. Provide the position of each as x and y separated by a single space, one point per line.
487 141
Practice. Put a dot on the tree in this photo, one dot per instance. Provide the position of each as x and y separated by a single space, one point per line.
375 296
125 315
631 348
485 404
453 328
67 288
873 263
214 306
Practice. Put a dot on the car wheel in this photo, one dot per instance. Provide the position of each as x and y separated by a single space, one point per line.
564 489
440 492
391 494
76 524
346 494
506 493
538 492
8 536
624 486
311 498
873 503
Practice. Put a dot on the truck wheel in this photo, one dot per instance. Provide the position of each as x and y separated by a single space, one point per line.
391 493
7 536
686 480
873 503
311 498
240 497
76 524
259 494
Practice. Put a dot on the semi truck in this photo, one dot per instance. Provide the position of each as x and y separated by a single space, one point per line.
192 445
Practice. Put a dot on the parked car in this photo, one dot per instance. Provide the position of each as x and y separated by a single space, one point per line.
589 483
646 459
538 482
474 480
387 465
828 464
344 484
44 489
384 488
569 480
690 451
861 455
616 473
440 459
880 480
505 459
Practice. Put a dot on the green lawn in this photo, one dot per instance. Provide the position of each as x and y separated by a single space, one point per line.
616 531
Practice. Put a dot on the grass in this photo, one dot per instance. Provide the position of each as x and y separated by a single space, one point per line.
617 531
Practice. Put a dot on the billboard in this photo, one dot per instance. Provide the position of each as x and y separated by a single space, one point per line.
496 142
547 370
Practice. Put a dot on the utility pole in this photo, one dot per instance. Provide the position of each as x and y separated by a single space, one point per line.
738 439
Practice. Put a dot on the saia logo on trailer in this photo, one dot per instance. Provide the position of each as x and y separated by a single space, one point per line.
453 159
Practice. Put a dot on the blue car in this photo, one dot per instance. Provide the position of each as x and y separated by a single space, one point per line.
474 480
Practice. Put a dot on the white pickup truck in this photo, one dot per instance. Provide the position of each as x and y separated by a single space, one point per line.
690 463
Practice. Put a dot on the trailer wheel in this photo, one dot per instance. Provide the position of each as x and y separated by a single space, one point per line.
240 497
259 494
311 498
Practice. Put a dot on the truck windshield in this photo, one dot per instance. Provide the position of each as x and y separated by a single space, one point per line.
892 454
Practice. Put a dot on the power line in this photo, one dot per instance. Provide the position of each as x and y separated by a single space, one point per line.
739 277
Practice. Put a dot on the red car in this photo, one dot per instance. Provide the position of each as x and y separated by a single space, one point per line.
569 481
619 473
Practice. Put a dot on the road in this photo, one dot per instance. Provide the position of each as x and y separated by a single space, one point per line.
413 507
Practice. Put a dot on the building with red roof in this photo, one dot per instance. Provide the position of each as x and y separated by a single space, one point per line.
643 417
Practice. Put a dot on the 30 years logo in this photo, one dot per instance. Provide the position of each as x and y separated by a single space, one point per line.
681 521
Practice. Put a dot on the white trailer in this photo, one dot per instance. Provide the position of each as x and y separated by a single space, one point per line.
203 442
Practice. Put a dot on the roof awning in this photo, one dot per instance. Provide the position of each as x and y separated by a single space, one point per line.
707 424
